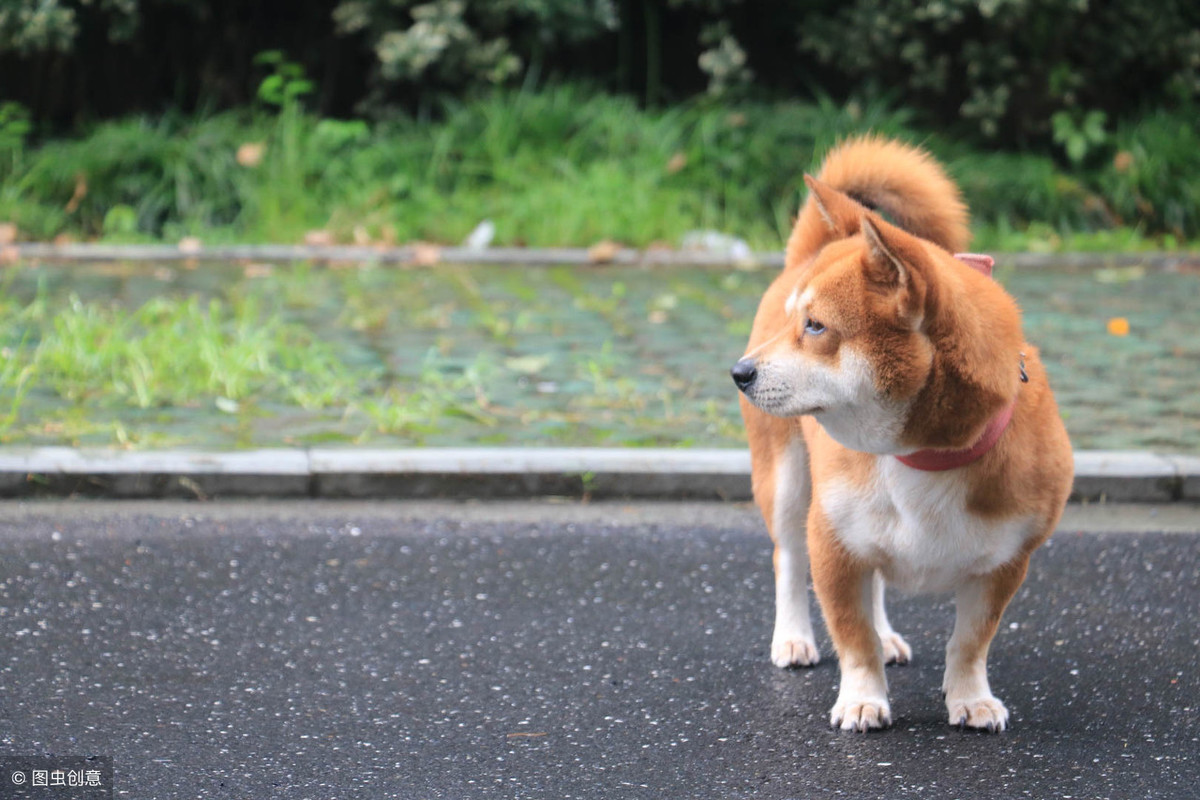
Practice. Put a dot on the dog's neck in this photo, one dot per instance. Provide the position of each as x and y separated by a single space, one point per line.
941 460
976 372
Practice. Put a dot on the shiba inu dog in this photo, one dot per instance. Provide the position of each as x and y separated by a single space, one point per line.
901 429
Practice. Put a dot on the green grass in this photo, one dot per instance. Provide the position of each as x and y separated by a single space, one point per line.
562 166
94 359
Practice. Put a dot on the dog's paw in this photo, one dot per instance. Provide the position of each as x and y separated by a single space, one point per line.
895 649
861 714
981 713
794 653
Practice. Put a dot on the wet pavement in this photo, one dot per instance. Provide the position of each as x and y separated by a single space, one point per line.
311 650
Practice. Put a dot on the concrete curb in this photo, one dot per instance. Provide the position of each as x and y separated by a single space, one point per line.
405 255
487 473
426 255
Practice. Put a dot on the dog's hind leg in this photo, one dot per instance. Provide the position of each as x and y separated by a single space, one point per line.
895 649
792 643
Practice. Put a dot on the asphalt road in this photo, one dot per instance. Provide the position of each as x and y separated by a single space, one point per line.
325 651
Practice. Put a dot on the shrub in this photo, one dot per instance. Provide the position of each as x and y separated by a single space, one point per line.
454 42
1008 65
1153 180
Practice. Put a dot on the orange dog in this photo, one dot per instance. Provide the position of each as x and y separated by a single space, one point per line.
900 426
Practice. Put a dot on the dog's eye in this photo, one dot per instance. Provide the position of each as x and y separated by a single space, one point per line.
813 327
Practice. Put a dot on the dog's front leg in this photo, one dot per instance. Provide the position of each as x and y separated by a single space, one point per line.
792 643
979 604
844 586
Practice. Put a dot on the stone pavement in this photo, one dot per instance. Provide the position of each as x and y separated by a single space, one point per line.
614 355
425 650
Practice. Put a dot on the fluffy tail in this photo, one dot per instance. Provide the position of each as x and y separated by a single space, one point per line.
902 182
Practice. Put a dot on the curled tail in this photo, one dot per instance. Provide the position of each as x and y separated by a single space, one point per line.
902 182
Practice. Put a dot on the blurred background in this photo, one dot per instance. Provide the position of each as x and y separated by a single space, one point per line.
1070 125
125 117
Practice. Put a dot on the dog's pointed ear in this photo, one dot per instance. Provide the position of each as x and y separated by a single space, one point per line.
839 211
827 215
885 263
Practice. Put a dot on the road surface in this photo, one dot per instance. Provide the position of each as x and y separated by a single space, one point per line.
528 650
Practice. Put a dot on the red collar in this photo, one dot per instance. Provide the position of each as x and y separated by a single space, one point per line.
941 460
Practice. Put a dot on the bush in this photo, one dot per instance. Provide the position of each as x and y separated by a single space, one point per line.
453 42
1024 189
164 171
1008 66
1154 177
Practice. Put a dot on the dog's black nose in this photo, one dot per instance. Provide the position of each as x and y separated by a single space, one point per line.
744 372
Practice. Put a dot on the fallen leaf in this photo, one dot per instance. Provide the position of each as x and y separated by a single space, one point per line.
603 252
1118 326
677 162
426 255
81 189
250 154
527 365
666 302
256 270
1119 274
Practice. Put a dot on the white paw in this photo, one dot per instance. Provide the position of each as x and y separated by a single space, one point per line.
861 714
794 653
982 713
895 649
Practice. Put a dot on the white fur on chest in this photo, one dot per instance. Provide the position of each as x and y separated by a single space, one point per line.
914 526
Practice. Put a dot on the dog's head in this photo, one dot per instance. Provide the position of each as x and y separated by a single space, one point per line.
855 343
